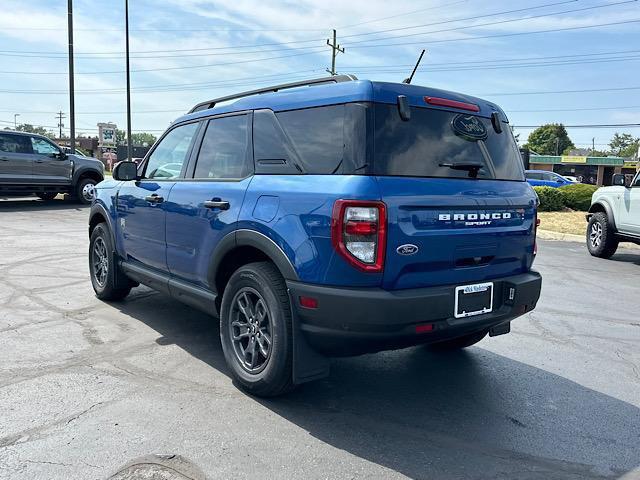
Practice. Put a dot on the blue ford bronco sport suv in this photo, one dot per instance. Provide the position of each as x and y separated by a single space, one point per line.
326 218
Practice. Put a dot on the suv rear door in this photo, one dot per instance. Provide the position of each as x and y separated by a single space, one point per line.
206 204
630 208
465 228
16 160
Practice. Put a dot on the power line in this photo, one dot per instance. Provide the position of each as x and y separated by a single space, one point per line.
591 109
559 91
119 54
612 125
454 20
466 39
403 14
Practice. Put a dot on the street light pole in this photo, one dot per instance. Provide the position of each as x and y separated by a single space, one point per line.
15 121
72 106
126 23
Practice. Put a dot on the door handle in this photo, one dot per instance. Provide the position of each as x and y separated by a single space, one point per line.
4 159
39 161
155 198
217 203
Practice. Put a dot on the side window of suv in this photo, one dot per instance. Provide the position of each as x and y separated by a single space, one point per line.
534 176
43 147
14 143
167 158
225 149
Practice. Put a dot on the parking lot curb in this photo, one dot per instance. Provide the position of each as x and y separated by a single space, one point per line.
569 237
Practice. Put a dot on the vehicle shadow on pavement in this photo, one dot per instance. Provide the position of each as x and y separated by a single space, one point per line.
35 204
468 414
627 258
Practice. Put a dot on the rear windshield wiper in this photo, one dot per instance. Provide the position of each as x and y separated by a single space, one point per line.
471 167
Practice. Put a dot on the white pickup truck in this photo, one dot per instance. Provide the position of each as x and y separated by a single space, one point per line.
614 216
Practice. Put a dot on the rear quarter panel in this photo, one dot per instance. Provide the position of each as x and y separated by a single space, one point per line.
295 212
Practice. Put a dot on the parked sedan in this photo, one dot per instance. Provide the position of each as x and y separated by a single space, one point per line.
544 178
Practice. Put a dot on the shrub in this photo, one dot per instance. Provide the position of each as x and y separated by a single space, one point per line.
578 196
551 199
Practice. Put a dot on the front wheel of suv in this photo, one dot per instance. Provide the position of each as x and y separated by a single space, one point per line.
106 277
601 241
256 330
86 190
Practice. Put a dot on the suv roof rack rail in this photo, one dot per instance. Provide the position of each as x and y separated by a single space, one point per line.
315 81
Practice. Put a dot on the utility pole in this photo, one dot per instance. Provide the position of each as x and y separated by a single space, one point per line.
335 48
557 145
60 116
126 26
15 121
593 145
72 106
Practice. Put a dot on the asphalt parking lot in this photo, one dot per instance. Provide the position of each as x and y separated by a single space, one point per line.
87 387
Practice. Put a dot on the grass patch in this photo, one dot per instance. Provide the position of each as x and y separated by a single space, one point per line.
563 222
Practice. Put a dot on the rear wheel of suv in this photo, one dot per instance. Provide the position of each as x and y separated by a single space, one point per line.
601 241
256 330
106 277
46 196
457 343
86 190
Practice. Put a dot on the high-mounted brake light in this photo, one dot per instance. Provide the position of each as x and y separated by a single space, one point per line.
359 233
445 102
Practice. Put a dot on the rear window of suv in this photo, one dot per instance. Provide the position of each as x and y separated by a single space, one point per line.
431 142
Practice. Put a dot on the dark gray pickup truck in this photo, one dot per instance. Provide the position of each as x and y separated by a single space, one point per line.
33 164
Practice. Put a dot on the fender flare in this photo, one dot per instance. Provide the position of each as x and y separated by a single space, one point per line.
255 239
98 208
81 171
608 210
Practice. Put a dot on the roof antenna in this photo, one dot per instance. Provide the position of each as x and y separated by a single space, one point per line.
408 80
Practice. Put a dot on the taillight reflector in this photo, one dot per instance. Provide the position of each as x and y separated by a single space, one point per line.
427 327
359 233
309 302
445 102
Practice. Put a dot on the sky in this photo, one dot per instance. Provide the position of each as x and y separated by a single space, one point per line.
570 61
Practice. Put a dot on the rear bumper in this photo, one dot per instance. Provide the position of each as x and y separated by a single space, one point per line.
350 321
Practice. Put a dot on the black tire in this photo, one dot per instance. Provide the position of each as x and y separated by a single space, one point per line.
46 196
84 186
457 343
601 240
107 280
260 288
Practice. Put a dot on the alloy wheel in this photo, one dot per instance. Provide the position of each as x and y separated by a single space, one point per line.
89 192
595 235
100 261
251 330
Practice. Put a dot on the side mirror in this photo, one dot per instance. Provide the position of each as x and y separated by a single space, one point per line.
561 181
619 180
125 171
59 156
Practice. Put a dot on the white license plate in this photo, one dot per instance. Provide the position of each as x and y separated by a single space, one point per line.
473 300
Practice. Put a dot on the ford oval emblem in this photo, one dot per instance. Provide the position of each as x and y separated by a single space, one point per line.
407 249
469 127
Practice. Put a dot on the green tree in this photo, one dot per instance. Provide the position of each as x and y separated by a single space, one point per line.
624 145
121 136
142 138
550 139
27 127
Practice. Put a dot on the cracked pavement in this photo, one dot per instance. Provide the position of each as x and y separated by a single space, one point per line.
87 387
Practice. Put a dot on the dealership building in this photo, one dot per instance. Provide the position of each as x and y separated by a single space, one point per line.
593 170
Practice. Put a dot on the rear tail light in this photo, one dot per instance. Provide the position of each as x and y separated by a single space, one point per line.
535 234
359 233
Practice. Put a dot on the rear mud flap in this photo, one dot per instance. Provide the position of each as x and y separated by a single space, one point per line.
308 365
